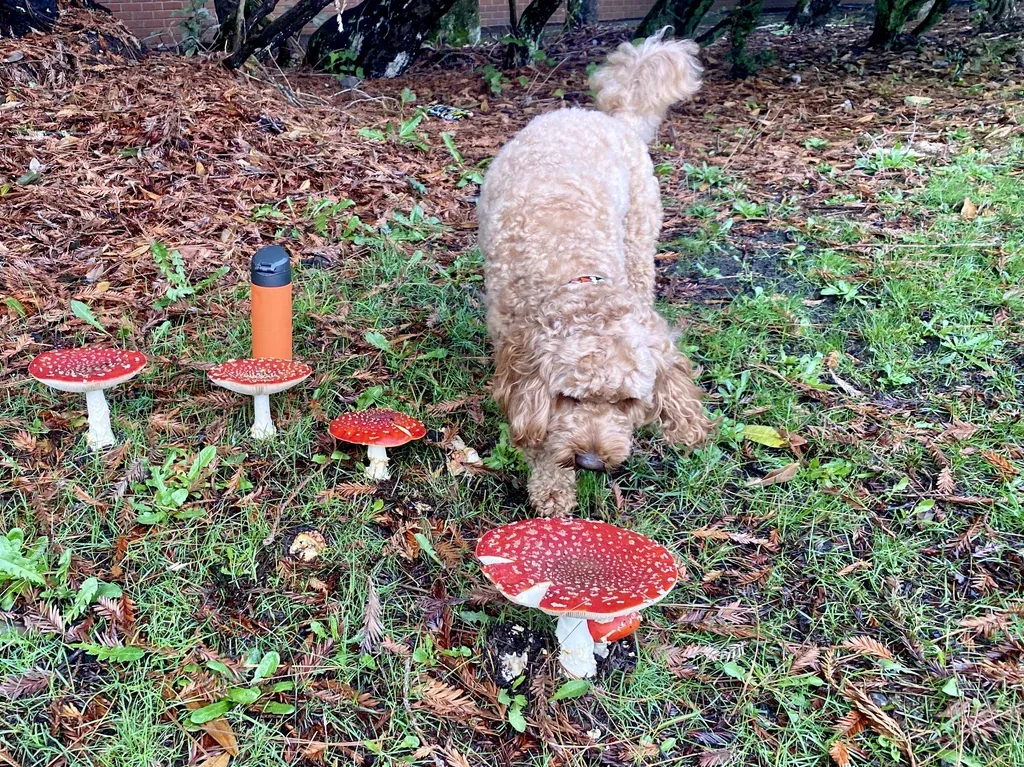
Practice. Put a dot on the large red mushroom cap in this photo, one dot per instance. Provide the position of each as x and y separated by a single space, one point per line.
377 428
84 370
264 375
576 568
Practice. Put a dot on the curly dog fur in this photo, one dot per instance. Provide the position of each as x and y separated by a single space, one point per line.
569 217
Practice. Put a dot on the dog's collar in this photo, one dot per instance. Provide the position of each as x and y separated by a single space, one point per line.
586 279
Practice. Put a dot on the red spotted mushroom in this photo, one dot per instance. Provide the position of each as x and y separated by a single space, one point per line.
378 430
259 378
89 371
591 575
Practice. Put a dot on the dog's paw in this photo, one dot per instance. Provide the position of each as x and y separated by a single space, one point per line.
554 502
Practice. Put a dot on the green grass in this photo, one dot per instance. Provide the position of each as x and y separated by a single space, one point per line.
860 543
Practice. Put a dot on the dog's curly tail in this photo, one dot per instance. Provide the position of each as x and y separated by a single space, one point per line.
640 82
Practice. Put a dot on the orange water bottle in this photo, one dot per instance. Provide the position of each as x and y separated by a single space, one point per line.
271 275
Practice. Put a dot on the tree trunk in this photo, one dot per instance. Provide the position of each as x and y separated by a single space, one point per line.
277 32
19 17
579 13
379 37
821 10
528 31
743 19
461 25
224 10
684 16
890 18
710 35
939 7
1003 14
800 11
810 13
233 32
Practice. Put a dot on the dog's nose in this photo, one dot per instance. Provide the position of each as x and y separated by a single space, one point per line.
589 461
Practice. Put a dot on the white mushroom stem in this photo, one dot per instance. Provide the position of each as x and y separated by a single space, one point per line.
377 469
262 424
100 434
576 647
601 649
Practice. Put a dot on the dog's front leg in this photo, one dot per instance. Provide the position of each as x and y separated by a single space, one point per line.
552 488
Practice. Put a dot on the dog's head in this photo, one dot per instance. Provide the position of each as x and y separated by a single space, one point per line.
579 382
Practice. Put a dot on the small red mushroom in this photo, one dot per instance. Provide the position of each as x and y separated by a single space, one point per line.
259 378
581 571
606 632
378 430
615 629
89 371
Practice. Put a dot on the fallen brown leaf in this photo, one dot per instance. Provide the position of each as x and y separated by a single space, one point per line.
846 386
840 753
776 477
23 441
1001 464
968 211
864 645
851 723
860 564
447 701
20 685
958 430
717 758
805 659
221 760
986 625
879 721
946 484
395 648
220 730
373 630
453 758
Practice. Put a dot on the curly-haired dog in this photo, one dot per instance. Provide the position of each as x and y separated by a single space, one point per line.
569 217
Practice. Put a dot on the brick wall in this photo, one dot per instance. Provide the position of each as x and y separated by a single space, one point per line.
494 13
155 21
146 18
614 10
150 19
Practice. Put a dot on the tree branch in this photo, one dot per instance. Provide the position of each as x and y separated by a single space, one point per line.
279 30
684 16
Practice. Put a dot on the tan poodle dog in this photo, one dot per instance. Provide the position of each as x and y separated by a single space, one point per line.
569 217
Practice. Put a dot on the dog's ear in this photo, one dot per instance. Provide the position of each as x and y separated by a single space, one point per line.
522 392
677 402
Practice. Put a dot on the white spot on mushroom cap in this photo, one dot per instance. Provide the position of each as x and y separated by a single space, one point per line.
494 561
533 596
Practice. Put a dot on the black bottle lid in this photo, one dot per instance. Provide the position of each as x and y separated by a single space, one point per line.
271 267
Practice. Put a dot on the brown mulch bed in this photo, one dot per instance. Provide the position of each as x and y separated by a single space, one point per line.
108 151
